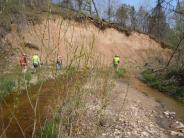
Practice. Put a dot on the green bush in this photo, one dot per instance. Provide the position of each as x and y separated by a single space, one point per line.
6 87
171 74
148 76
169 88
163 83
120 72
156 84
180 91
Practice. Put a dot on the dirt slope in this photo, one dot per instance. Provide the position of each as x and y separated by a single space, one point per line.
62 37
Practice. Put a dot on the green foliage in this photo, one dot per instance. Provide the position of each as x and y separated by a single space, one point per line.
152 80
71 71
156 84
13 6
164 82
148 75
171 74
180 92
6 87
28 76
49 131
120 72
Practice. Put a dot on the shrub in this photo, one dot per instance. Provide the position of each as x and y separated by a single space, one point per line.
120 72
164 83
49 131
171 74
180 91
28 76
6 86
148 76
156 84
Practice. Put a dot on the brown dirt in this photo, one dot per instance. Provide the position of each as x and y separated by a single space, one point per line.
61 37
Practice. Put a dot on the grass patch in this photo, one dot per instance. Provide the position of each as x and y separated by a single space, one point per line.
28 76
120 73
148 76
6 87
13 81
49 131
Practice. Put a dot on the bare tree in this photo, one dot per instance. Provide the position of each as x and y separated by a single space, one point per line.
133 18
157 21
122 15
142 19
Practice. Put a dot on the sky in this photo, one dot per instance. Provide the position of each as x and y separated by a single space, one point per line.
148 4
137 3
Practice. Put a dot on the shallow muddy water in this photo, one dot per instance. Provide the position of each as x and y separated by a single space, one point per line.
17 115
167 102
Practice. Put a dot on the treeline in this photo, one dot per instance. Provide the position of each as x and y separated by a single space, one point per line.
160 22
164 21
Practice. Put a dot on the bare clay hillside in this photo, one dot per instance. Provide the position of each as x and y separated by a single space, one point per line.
57 37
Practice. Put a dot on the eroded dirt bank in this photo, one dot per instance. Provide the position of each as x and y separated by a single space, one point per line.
62 37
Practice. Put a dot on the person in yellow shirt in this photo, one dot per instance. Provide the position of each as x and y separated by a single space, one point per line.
116 61
36 61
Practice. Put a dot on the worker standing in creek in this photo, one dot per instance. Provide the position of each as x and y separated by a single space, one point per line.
116 61
36 62
23 62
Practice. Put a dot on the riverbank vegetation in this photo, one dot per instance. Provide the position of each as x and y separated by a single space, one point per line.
169 82
168 76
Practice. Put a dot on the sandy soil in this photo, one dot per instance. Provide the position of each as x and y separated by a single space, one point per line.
63 37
